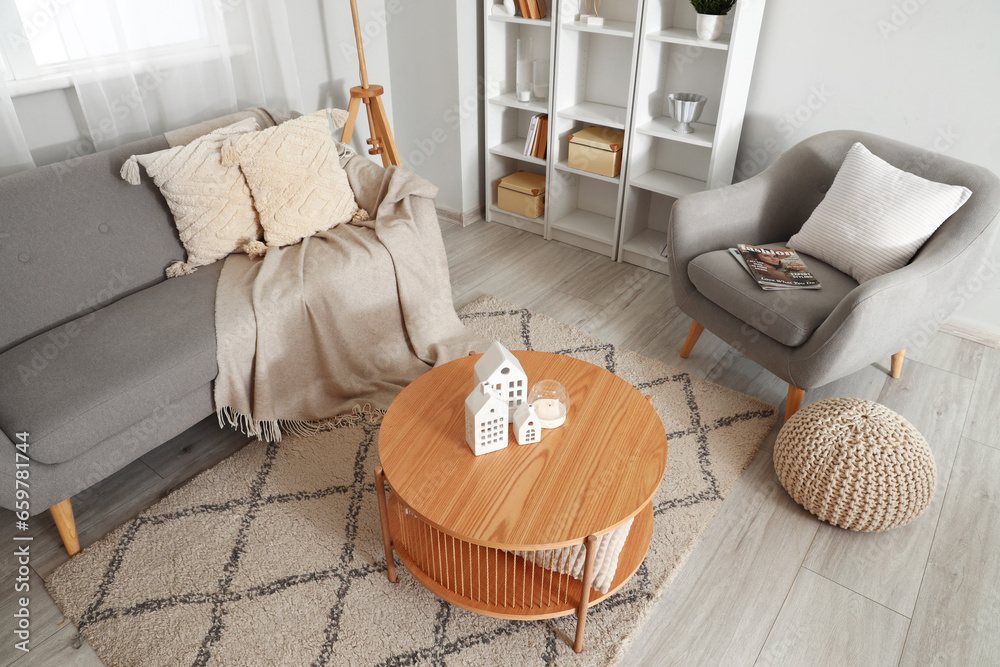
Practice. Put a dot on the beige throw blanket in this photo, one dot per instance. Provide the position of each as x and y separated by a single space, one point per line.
341 321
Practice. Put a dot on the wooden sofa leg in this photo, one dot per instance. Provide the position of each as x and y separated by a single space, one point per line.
794 402
63 515
897 364
693 334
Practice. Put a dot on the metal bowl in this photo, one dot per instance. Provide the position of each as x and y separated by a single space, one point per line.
685 108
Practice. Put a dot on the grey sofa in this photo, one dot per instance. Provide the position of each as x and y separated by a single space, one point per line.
101 358
809 338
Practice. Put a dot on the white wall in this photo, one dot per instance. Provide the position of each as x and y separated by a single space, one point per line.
426 55
326 55
926 72
434 53
469 106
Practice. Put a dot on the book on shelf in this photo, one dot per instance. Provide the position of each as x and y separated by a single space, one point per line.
541 137
533 12
529 141
775 268
537 140
523 6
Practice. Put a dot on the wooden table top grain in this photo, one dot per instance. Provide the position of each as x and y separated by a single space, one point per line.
585 478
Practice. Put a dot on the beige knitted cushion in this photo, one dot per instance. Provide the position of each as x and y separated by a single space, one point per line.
210 202
294 173
856 464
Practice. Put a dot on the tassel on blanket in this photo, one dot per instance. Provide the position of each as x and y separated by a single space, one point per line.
130 170
180 269
268 431
254 248
272 430
230 156
360 215
359 414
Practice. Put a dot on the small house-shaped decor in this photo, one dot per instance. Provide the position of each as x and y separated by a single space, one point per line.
485 420
527 429
503 372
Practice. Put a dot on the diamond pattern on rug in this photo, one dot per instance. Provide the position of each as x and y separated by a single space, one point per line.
275 555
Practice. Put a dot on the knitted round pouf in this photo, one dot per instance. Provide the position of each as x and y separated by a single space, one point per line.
856 464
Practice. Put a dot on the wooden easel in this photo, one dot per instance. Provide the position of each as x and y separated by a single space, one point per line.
381 140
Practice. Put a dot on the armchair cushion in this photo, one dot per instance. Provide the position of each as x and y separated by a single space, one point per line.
788 316
875 217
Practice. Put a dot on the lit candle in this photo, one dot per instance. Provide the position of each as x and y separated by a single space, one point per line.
548 409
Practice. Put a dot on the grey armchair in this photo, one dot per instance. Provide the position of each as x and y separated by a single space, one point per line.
811 337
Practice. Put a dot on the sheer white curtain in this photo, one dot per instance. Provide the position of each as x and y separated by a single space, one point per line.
140 67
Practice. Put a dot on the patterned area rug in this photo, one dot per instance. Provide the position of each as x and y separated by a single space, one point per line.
274 556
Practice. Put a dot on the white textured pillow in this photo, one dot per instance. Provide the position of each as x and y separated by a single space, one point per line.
875 217
210 202
294 173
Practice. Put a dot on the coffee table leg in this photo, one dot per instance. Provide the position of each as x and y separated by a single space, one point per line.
588 579
383 511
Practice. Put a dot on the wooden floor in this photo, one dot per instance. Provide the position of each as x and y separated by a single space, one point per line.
769 584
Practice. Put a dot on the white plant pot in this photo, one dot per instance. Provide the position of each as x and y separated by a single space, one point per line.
709 26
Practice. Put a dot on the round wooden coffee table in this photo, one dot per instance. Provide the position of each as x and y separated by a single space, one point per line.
469 528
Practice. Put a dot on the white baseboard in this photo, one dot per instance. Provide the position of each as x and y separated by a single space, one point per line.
461 218
974 330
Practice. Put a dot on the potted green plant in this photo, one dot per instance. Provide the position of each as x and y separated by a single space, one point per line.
711 17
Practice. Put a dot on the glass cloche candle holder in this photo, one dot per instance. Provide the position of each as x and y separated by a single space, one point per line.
551 402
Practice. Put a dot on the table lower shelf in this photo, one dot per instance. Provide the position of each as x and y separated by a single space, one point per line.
495 582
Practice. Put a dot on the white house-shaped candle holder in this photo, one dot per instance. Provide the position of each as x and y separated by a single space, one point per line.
485 420
504 373
527 428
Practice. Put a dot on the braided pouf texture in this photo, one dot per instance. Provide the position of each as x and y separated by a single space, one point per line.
856 464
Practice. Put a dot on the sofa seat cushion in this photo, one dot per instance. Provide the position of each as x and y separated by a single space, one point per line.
788 316
81 383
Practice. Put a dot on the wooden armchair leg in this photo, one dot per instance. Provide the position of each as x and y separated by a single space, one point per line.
693 334
897 364
794 402
66 524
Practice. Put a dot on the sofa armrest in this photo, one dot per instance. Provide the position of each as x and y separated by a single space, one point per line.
885 314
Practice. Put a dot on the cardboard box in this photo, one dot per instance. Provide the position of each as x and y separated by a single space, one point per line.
597 150
523 193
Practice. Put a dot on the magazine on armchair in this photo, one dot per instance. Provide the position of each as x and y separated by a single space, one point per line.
775 268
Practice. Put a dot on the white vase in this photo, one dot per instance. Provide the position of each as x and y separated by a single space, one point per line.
709 26
522 71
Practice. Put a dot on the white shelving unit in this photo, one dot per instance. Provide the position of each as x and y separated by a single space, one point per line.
594 70
618 75
507 119
664 164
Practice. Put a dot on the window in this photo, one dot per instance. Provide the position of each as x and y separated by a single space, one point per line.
39 37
